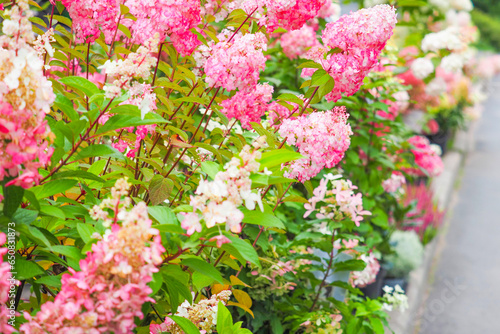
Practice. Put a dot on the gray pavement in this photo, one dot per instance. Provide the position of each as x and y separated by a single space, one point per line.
465 293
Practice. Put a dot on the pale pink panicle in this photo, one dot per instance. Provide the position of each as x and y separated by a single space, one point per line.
346 244
174 18
359 37
369 274
107 295
91 17
202 314
338 203
220 240
5 285
236 63
137 65
426 158
248 106
25 99
367 28
330 10
191 222
290 14
394 183
217 201
42 44
321 137
296 42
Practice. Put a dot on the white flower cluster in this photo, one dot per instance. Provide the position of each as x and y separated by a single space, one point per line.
217 201
395 297
448 38
369 274
445 5
422 68
436 87
136 65
453 63
458 18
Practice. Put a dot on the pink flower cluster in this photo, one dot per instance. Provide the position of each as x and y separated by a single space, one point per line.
91 17
338 203
107 294
394 183
296 42
365 29
360 36
321 137
25 98
217 201
425 213
426 158
274 276
235 63
369 274
249 106
5 285
203 315
174 18
290 14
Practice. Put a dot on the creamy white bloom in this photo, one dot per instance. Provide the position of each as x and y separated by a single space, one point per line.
436 87
422 67
444 39
373 3
452 63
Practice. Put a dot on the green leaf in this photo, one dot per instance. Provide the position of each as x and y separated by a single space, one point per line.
211 168
175 289
163 215
52 211
99 150
85 231
224 319
203 268
25 269
51 281
156 282
160 189
277 157
65 104
200 281
13 196
380 218
71 252
80 174
242 250
32 199
310 64
169 228
257 217
350 265
124 121
53 188
82 84
187 326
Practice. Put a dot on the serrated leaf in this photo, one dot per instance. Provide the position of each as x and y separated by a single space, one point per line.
277 157
160 189
99 150
203 268
82 84
187 326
